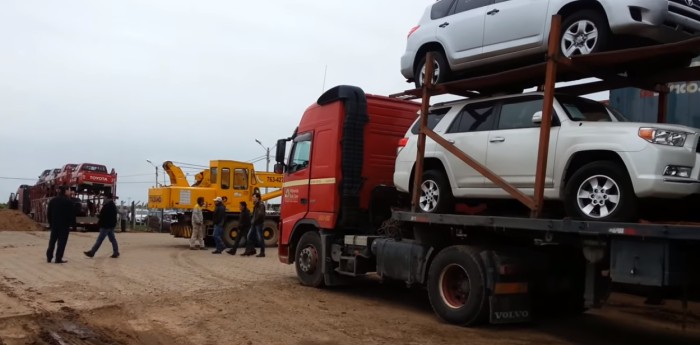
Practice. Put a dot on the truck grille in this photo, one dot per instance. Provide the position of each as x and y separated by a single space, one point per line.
682 8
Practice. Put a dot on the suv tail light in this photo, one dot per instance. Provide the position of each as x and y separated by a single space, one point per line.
402 143
413 29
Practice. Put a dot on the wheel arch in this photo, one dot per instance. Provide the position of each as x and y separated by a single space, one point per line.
580 5
300 228
430 164
581 158
426 47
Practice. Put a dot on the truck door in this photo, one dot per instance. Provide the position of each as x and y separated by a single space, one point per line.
295 190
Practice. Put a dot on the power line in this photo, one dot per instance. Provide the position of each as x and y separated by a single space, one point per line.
149 174
17 178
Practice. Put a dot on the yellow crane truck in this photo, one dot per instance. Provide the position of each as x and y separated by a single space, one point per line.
232 181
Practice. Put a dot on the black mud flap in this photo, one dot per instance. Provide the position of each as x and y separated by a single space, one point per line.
509 309
330 278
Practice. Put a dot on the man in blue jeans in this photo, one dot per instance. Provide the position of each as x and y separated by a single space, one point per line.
219 218
107 222
256 232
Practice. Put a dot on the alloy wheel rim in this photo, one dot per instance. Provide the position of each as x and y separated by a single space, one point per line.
598 196
580 38
430 196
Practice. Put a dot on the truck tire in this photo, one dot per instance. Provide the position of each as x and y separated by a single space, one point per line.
577 33
436 193
456 286
230 233
270 233
441 72
307 260
601 191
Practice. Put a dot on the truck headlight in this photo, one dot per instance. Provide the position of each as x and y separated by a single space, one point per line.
663 136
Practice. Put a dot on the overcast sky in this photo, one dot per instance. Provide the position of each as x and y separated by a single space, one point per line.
120 82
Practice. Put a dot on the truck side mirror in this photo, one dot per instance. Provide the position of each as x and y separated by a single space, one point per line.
279 168
537 117
281 148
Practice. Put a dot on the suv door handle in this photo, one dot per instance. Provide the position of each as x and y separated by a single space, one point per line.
493 11
444 24
451 141
497 139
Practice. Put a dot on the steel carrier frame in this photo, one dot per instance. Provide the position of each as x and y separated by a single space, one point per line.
641 254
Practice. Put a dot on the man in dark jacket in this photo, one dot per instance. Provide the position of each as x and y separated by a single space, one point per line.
107 222
256 232
219 218
243 227
61 216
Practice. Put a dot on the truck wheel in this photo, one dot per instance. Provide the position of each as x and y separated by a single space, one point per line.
436 194
440 73
270 233
584 33
307 259
230 233
456 286
601 191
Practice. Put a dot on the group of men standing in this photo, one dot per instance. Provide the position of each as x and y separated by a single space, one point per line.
250 226
61 216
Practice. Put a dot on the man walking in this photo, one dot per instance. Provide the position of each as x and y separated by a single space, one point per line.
243 227
61 217
257 229
197 226
107 222
219 218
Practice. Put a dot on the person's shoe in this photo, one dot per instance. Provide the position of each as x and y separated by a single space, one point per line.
61 261
249 253
216 252
48 260
231 251
89 254
261 255
114 256
193 248
203 248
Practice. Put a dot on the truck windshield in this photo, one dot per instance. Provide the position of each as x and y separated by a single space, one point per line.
582 109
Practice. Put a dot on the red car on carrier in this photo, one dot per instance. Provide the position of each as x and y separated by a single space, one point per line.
64 176
89 176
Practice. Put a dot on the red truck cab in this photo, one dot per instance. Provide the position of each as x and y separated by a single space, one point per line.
339 173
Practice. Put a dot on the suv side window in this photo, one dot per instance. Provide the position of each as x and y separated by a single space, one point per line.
441 9
434 117
468 5
474 118
517 113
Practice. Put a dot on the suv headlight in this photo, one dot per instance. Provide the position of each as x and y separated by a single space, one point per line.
663 136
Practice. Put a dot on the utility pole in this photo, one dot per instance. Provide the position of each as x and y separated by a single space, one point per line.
162 211
267 156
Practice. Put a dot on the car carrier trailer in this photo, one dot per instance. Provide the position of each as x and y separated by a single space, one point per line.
342 218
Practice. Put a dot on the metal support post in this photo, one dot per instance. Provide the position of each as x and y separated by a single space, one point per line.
547 112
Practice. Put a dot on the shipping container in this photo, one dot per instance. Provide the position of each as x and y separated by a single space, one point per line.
642 106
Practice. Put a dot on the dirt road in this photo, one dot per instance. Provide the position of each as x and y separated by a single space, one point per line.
159 292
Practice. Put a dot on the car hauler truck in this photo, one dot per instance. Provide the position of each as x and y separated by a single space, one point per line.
342 218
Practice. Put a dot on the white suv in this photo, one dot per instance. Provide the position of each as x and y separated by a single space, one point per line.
472 33
599 164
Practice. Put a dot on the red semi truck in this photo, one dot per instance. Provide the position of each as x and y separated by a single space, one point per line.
342 218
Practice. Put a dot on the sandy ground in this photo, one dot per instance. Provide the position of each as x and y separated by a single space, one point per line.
159 292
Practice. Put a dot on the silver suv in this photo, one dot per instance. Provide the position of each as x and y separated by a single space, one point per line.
471 33
599 163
